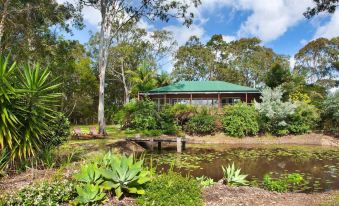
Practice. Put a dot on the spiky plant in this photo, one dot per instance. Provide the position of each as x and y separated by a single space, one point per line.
232 175
27 105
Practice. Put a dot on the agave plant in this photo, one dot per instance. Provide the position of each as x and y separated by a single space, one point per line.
205 181
88 193
124 174
89 174
232 175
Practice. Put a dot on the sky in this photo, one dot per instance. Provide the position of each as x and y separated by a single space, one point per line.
280 24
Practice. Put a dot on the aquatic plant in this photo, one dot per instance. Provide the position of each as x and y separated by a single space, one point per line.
292 182
232 175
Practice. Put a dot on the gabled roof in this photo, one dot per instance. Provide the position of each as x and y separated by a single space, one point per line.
203 86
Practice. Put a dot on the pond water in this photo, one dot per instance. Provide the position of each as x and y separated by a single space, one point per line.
320 166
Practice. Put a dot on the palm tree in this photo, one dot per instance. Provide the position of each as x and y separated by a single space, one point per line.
163 79
143 79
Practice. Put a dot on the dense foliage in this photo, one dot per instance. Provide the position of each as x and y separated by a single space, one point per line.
303 119
202 123
172 189
45 193
29 111
273 112
240 120
288 182
330 113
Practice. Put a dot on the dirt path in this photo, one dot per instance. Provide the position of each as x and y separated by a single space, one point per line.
306 139
222 195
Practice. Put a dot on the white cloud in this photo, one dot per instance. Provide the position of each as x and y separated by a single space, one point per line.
271 19
330 29
228 38
182 33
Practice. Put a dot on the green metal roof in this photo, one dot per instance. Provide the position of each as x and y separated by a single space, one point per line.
202 86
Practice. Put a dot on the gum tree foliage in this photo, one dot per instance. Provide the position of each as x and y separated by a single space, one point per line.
25 26
243 61
318 61
321 6
116 14
330 113
273 112
194 61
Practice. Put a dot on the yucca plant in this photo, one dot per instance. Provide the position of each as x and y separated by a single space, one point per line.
232 175
27 105
124 174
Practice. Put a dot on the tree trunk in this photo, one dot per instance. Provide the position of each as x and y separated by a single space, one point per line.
2 21
124 82
105 34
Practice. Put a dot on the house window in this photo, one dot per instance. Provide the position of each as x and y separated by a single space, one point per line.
205 102
180 101
230 100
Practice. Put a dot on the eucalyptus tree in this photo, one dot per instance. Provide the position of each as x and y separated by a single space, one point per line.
321 6
193 61
115 14
318 61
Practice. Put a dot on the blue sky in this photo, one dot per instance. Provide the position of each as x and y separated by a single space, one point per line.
279 23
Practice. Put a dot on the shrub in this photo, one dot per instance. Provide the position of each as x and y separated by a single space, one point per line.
232 175
138 115
202 123
171 190
167 122
240 120
44 193
58 131
273 112
182 113
291 182
303 119
330 113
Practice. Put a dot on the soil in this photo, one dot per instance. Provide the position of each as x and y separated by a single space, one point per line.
222 195
305 139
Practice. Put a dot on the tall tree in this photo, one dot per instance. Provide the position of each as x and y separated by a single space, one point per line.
318 61
193 61
115 14
25 25
321 6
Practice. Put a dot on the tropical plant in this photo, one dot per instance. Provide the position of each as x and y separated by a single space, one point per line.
143 79
205 181
89 174
171 189
88 194
28 107
124 174
232 175
240 120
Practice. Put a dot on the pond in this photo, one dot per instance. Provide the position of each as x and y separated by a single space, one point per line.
320 166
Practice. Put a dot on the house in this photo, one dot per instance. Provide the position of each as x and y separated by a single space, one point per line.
207 93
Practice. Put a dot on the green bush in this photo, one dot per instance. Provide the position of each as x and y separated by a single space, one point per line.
58 131
167 123
330 114
172 190
138 115
182 113
44 193
286 182
201 124
240 120
303 119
